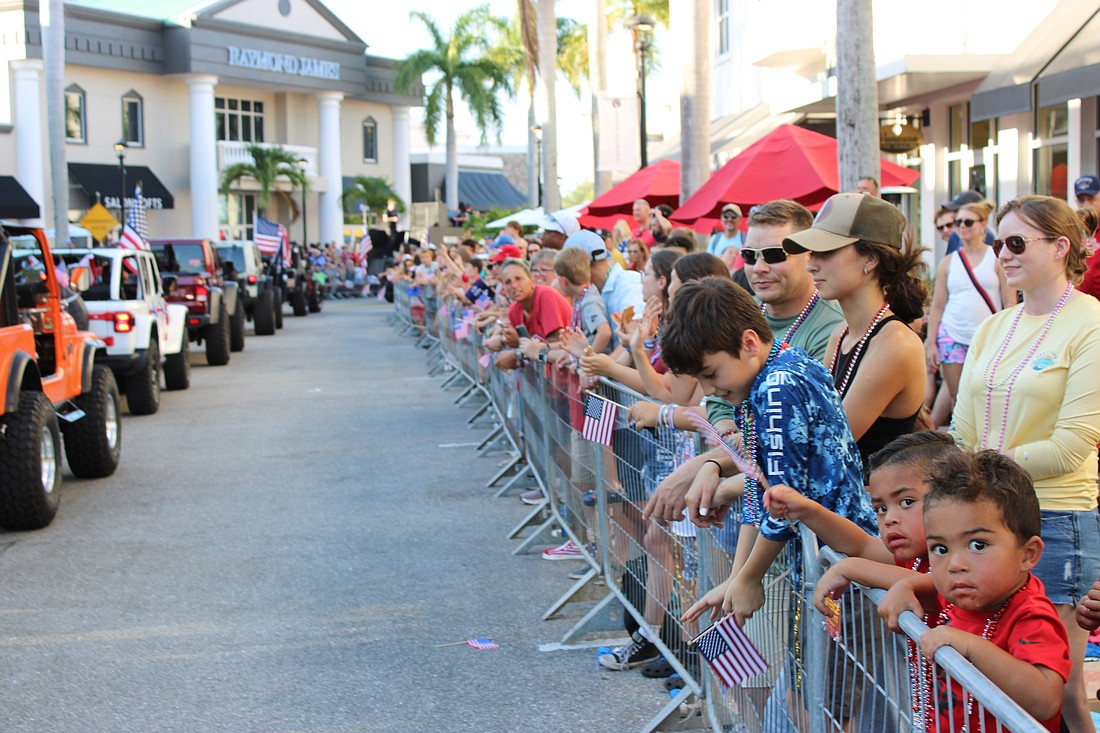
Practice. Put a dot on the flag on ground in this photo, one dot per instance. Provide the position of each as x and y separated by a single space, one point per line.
267 236
599 419
483 643
730 653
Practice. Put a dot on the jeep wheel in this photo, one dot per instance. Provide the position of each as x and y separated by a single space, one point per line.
236 327
278 307
263 313
177 367
298 302
143 388
93 443
217 340
30 464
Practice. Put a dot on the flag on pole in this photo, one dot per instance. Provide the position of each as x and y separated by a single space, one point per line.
267 235
730 653
365 245
285 239
136 230
599 419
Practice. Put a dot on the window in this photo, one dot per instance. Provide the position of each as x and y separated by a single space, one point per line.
239 120
370 140
236 215
1052 151
76 130
132 127
723 27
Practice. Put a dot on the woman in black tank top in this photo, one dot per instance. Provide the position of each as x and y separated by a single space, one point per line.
858 258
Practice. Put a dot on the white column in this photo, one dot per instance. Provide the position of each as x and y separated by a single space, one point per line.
1073 154
331 228
402 165
204 160
30 159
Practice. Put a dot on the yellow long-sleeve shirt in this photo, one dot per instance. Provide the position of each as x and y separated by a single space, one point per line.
1054 410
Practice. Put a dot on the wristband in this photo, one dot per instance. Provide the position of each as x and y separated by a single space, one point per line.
716 463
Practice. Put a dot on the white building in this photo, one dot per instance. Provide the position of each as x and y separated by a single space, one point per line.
187 85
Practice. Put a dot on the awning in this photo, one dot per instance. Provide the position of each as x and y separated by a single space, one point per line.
106 180
15 202
1075 71
485 190
1008 88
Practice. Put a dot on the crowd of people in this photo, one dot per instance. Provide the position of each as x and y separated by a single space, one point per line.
945 441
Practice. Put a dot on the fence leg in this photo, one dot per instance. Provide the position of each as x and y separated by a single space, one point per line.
504 471
491 437
470 390
670 716
604 616
448 380
544 535
530 520
525 473
477 415
575 593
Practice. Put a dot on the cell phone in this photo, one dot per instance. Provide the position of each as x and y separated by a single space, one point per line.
522 331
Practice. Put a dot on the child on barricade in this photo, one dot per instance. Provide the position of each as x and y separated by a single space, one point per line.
982 523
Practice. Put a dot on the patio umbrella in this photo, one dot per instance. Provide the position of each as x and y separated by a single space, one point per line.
789 163
658 183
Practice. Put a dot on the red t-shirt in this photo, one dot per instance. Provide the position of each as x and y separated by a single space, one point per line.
550 312
1091 282
644 234
1029 630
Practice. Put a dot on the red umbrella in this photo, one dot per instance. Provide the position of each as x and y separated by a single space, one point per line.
658 183
789 163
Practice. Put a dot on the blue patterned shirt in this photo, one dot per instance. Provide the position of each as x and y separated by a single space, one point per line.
804 441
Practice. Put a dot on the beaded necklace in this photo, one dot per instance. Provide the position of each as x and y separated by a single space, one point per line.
1010 381
778 346
854 358
575 321
920 675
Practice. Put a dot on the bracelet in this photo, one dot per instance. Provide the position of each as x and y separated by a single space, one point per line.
626 349
716 463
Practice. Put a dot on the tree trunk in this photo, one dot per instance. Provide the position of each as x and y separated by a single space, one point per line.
52 17
548 54
597 82
532 155
695 103
452 156
857 94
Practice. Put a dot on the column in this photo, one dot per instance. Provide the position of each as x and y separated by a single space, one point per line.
30 159
402 164
204 160
331 227
1073 152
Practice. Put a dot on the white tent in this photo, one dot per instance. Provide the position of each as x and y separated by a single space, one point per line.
525 217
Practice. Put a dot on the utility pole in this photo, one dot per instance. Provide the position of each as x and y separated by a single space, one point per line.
51 16
695 100
597 80
548 63
857 94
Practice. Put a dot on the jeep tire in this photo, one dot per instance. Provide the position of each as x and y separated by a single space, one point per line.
278 307
217 339
177 367
263 313
298 302
30 464
143 387
93 443
314 299
236 326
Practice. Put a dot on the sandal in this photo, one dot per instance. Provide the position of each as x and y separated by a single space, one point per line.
658 668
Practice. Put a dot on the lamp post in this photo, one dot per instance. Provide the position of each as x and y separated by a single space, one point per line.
537 130
642 26
120 149
303 164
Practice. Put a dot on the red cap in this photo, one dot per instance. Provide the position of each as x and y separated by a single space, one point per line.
505 252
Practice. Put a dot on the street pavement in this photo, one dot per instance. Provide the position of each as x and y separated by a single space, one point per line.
284 547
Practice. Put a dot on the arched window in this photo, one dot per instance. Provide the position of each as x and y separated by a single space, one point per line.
132 120
76 115
370 140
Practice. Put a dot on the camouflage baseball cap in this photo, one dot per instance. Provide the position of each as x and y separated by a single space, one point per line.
848 217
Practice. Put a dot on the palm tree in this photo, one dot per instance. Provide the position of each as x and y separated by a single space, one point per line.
466 68
372 191
548 56
268 165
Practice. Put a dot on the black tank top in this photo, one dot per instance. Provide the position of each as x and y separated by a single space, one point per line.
884 429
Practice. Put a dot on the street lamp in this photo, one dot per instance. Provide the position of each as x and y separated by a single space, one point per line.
303 164
537 130
120 149
642 26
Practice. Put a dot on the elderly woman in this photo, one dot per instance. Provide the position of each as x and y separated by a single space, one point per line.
1028 389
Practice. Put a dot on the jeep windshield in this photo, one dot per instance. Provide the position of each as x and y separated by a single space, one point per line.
235 255
181 258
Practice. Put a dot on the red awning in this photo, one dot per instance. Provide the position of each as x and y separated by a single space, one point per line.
658 183
789 163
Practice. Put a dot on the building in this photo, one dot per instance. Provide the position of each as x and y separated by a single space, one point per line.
187 85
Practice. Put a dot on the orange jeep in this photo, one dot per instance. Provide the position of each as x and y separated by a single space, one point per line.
47 370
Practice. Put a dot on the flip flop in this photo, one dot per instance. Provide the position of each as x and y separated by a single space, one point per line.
658 668
674 682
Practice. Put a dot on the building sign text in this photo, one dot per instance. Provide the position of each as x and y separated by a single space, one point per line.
283 63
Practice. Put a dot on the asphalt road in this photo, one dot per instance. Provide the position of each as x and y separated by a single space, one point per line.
283 548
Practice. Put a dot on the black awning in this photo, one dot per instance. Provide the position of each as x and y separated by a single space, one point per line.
15 202
487 190
106 180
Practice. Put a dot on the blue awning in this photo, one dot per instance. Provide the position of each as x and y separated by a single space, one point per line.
484 190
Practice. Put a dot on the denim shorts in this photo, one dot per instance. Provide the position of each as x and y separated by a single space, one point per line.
1071 554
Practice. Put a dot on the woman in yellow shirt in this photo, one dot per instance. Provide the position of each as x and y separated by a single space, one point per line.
1028 389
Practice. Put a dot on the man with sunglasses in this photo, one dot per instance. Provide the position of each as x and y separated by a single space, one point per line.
730 236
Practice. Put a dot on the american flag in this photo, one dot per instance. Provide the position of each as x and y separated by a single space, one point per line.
136 230
730 653
599 419
483 643
267 236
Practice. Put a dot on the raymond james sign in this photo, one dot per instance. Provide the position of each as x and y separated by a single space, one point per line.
283 63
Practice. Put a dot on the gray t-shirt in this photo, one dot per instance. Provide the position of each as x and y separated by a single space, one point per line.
592 311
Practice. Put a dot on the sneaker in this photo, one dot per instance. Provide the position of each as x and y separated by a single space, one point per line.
580 571
568 551
634 653
533 497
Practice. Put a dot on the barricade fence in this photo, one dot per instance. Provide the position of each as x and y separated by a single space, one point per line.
860 677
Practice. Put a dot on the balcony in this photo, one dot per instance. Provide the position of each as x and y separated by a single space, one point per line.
231 152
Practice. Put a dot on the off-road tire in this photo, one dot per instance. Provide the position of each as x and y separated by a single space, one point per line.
263 313
30 464
298 302
217 340
93 444
177 367
143 388
278 308
236 327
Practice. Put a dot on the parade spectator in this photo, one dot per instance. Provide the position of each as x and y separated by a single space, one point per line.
514 230
730 234
1028 389
637 254
659 228
609 244
1091 282
542 311
573 267
642 214
970 287
1086 189
966 197
620 288
682 238
556 228
542 268
621 234
944 221
869 186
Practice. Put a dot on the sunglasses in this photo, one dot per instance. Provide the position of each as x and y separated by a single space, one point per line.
730 215
771 255
944 227
966 222
1016 245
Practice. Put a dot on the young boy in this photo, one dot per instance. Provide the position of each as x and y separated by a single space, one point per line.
982 525
574 270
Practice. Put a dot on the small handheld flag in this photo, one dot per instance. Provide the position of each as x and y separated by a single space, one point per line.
734 448
729 652
599 419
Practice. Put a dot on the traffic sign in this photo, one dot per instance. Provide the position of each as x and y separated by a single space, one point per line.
99 221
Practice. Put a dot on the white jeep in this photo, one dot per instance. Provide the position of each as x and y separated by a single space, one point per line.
145 336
